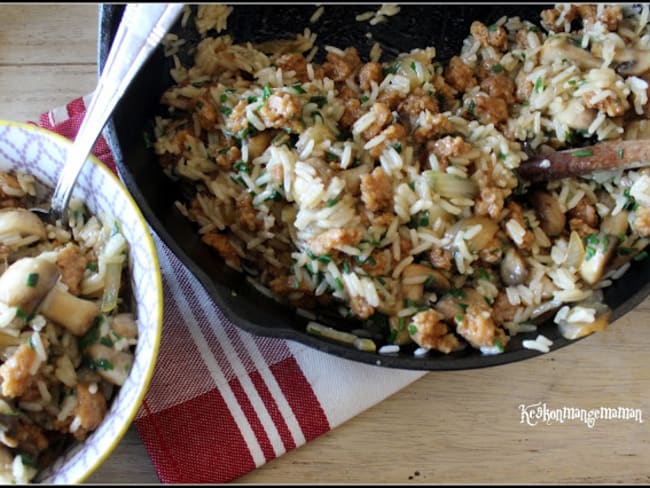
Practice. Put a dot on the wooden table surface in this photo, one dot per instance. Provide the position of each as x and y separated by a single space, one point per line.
449 427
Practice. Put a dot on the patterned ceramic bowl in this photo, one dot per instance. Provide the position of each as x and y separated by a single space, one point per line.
36 151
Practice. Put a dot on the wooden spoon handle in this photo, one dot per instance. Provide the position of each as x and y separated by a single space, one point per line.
604 156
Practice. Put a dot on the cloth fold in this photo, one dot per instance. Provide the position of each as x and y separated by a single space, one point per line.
222 401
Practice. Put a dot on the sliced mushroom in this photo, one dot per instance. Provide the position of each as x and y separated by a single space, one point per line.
124 325
576 115
352 178
22 222
26 283
513 268
628 61
75 314
421 277
6 466
481 239
561 47
112 365
258 143
456 301
598 252
551 218
615 224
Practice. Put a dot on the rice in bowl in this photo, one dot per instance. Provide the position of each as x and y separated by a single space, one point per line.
68 331
388 191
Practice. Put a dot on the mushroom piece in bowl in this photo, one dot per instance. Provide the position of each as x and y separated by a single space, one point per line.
80 313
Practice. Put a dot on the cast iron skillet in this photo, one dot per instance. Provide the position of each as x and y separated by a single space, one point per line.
442 26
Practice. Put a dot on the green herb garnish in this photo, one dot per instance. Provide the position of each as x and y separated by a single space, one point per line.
32 280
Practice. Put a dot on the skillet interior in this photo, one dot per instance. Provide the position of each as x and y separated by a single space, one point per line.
441 26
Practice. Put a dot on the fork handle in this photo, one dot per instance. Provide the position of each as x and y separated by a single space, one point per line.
141 29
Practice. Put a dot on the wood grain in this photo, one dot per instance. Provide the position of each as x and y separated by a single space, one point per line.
448 427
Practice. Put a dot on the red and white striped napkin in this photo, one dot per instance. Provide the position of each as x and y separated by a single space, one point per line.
223 402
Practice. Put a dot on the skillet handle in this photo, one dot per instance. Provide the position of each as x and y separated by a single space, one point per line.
142 28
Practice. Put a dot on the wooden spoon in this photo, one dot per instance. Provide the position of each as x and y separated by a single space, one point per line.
603 156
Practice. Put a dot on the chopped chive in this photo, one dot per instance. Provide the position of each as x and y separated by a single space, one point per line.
298 88
223 98
318 100
393 69
413 67
339 284
402 323
492 27
266 92
459 318
225 110
424 219
590 252
457 293
497 68
410 303
430 281
624 251
364 99
498 344
332 201
32 280
640 256
501 156
92 266
106 341
346 267
21 314
104 364
470 107
398 147
539 85
242 166
592 239
324 258
413 330
251 99
583 153
483 274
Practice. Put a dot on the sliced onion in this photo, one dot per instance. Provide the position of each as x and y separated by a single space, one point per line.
111 286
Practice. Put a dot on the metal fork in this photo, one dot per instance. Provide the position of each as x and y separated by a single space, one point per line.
140 31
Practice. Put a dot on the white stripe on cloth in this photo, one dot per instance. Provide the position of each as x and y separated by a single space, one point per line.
241 374
279 397
236 360
58 115
216 372
346 388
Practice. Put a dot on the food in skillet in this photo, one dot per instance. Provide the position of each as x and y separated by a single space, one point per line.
388 190
67 332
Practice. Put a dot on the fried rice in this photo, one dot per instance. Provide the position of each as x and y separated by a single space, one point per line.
67 329
388 191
